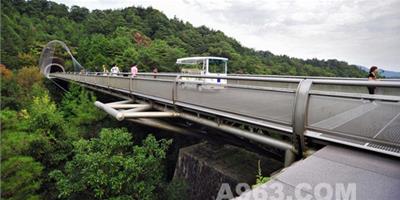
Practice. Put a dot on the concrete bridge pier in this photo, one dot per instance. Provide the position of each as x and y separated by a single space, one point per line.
209 169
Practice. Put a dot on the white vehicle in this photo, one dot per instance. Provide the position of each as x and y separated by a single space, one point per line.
208 66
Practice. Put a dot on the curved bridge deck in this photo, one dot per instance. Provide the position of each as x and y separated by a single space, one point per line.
332 110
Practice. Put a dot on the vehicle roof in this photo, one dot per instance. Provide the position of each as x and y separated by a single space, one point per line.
193 60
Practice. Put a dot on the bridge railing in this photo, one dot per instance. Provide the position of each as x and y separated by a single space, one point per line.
312 77
336 110
341 111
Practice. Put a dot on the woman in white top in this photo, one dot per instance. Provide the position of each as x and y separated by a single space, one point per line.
114 70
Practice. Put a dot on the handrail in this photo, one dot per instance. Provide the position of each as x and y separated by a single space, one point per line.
358 83
244 76
313 77
355 95
272 78
288 80
301 102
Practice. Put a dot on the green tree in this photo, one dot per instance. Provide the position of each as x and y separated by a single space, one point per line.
40 135
11 41
111 167
9 89
20 173
52 145
159 54
78 108
106 36
20 178
45 119
78 14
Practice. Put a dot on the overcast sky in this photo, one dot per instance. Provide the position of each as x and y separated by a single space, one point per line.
362 32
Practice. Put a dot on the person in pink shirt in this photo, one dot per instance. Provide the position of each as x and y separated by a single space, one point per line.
134 70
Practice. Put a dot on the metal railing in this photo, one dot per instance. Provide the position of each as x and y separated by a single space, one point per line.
335 110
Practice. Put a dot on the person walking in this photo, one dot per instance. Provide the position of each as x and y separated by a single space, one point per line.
372 76
134 70
114 70
105 71
155 71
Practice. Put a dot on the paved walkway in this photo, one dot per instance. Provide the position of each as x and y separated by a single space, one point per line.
335 172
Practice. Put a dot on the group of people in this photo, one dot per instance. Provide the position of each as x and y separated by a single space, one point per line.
372 76
134 70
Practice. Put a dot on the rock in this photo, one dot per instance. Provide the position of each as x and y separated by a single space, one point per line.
204 167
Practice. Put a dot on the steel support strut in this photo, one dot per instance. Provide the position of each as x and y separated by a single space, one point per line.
138 115
135 112
300 114
290 151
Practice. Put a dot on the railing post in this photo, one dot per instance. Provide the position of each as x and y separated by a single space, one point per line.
175 88
290 157
130 84
108 81
300 114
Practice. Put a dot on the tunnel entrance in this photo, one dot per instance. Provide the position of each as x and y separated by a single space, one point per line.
55 65
52 59
52 68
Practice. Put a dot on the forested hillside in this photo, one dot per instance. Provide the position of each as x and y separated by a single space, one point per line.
68 149
142 35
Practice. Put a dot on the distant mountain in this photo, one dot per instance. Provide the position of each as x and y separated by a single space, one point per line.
390 74
366 69
382 72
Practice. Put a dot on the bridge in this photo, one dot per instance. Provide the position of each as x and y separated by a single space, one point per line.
302 110
285 114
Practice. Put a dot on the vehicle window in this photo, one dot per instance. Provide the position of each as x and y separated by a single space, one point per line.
216 66
191 69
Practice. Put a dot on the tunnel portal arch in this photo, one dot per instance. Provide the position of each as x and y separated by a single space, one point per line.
50 63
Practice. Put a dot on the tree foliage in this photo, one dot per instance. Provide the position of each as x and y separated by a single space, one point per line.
35 136
20 178
20 173
52 134
45 153
18 89
78 109
138 35
111 167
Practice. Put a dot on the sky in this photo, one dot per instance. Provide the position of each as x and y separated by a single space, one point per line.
361 32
